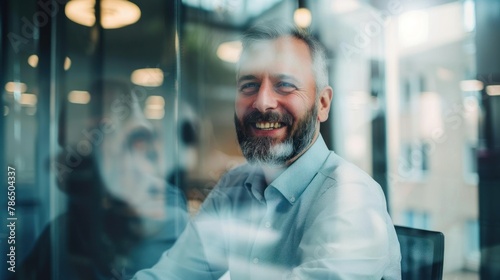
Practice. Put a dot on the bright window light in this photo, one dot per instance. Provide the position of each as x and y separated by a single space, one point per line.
471 85
469 15
345 6
413 28
234 7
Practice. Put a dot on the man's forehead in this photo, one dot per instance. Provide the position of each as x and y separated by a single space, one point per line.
284 52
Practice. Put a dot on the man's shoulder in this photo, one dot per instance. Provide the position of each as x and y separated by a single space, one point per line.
346 182
231 187
236 176
343 172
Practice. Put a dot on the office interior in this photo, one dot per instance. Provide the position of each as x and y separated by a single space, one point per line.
416 101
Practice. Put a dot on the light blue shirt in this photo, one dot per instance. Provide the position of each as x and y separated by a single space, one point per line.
322 218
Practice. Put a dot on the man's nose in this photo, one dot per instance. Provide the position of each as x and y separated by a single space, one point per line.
266 98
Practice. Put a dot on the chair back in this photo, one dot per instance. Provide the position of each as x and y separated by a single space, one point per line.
422 253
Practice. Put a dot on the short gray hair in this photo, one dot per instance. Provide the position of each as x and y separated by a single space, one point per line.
273 31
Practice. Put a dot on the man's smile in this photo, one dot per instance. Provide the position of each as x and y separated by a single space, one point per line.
268 129
268 125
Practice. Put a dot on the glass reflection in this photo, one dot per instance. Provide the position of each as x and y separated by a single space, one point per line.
121 214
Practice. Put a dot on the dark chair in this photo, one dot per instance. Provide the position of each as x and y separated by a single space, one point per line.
422 253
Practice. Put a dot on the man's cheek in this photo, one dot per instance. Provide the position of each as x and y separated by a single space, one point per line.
241 108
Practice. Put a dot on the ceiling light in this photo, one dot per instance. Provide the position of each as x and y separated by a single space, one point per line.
79 97
114 13
67 63
154 114
148 77
471 85
155 102
302 17
28 99
493 90
230 51
33 60
15 87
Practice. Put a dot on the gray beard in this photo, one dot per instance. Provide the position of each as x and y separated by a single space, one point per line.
267 151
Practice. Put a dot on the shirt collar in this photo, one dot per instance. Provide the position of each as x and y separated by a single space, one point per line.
255 182
295 179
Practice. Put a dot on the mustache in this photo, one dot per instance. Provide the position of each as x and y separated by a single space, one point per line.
271 116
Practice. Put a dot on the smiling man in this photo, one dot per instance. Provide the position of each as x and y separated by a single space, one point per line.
279 106
296 210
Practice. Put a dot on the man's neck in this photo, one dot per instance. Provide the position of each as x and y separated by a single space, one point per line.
288 163
272 172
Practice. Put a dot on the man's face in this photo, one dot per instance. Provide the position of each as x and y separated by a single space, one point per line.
276 111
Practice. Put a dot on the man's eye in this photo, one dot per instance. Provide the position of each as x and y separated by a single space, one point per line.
249 88
285 87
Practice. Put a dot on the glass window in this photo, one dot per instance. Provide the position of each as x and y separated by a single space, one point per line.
118 118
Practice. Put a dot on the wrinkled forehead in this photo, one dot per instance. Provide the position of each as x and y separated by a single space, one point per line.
282 54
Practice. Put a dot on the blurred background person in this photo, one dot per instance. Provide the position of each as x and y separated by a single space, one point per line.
202 162
121 212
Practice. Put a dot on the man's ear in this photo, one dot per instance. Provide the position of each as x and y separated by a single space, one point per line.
325 99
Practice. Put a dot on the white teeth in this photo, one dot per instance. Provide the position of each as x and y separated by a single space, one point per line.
267 125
